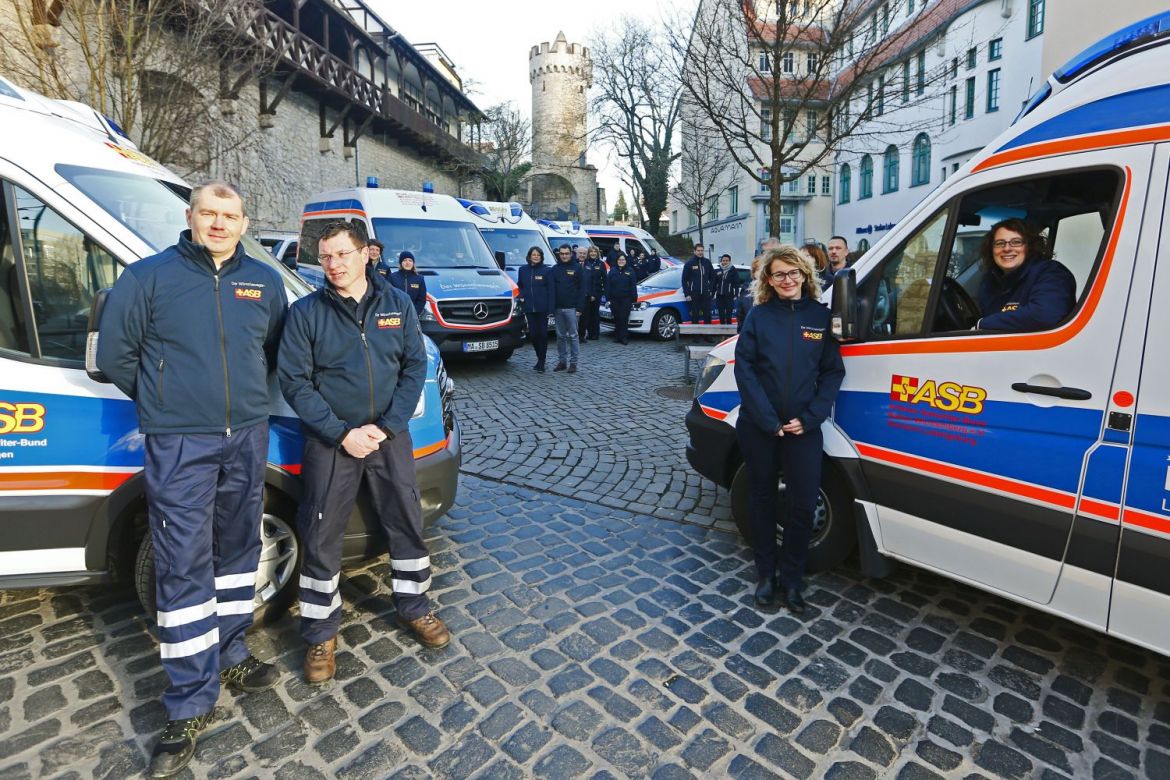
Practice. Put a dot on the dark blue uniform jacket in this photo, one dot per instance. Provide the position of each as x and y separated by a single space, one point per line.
1035 296
787 364
414 285
338 373
698 278
569 285
594 271
727 282
192 346
536 288
621 285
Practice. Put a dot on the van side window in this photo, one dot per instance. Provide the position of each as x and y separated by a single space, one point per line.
632 244
604 245
65 269
13 326
898 296
1073 211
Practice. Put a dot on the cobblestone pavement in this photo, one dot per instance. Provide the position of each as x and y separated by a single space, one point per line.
603 435
598 642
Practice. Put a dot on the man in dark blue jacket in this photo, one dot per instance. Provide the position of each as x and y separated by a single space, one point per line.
726 288
536 298
698 278
352 366
189 335
569 299
593 271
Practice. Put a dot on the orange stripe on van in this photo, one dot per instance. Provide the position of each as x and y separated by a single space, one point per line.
1100 509
1150 522
332 213
1085 143
63 480
1013 342
652 296
431 449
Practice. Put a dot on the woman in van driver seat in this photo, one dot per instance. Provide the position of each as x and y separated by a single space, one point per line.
1023 288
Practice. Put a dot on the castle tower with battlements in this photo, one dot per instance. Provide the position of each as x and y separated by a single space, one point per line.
562 184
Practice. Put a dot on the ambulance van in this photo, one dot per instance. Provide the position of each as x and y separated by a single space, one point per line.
1033 465
628 239
510 233
472 305
564 233
78 202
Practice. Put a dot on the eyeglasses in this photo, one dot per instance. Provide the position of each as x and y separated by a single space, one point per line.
795 275
339 256
1014 243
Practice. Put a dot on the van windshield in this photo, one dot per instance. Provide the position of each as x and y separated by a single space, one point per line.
556 242
156 212
514 243
434 243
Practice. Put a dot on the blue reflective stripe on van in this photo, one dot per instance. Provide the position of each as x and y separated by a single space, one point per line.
1141 107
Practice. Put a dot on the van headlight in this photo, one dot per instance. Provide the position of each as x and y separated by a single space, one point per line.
640 306
712 367
515 306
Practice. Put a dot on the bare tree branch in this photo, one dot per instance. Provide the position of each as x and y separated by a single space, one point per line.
508 149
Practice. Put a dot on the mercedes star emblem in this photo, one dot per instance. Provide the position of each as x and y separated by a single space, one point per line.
480 310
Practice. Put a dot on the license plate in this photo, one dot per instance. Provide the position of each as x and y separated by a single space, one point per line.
481 346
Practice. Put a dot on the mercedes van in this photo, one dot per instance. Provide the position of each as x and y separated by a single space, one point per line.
472 305
1035 465
510 233
80 203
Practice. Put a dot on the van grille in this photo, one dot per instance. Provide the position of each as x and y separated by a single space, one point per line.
463 312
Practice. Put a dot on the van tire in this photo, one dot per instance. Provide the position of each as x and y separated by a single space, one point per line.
834 534
280 554
664 326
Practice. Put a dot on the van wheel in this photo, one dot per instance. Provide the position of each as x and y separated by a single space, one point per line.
665 325
280 560
834 535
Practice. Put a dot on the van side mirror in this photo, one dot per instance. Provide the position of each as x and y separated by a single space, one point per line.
500 257
844 306
91 336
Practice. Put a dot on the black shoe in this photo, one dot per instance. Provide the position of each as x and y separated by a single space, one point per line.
794 601
765 594
539 367
176 745
250 676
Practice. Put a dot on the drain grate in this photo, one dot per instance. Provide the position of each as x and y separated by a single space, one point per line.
678 393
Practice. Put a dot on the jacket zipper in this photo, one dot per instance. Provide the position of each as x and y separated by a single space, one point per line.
162 396
227 386
791 351
366 349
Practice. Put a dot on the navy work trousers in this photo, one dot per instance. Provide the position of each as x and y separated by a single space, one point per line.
621 319
700 306
725 306
332 478
538 333
204 495
767 456
590 325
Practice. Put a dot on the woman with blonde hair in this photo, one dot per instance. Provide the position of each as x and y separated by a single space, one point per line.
788 368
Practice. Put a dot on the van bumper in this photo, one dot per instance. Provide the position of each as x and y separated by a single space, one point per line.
712 447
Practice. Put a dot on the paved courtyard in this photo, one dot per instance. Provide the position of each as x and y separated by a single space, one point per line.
594 638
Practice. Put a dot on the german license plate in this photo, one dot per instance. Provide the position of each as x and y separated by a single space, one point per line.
481 346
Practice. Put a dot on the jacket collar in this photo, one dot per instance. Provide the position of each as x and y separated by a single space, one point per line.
377 285
1007 280
198 254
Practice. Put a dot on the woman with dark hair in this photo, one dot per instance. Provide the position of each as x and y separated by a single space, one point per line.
536 298
410 281
788 368
821 258
622 288
1023 288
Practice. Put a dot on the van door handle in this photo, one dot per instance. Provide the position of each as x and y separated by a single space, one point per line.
1071 393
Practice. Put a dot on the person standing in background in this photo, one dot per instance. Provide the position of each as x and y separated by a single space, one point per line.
697 281
569 299
593 271
726 288
410 281
536 298
622 287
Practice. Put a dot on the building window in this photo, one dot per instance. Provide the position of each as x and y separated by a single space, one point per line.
766 124
812 184
788 62
766 175
885 18
691 220
793 186
866 184
713 207
921 75
972 58
733 200
993 90
765 63
869 98
1035 17
954 102
954 67
826 185
995 50
810 124
969 105
909 7
920 162
674 221
890 170
845 184
812 60
880 108
906 81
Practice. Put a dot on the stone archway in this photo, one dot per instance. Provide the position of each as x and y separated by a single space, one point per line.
552 196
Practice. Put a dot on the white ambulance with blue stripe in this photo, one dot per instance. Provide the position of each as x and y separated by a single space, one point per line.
1033 465
472 305
510 233
561 233
78 202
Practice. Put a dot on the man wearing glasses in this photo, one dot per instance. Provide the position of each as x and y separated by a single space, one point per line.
1023 289
352 366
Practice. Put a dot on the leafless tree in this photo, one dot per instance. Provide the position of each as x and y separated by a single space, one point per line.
508 150
704 171
786 84
156 67
635 105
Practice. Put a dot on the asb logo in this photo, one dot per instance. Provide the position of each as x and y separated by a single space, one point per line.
389 322
21 418
249 293
812 335
944 396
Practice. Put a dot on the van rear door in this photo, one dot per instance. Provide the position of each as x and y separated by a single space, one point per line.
1141 588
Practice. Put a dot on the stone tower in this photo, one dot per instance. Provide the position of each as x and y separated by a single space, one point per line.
562 184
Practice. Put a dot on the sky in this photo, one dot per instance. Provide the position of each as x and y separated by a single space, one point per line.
489 43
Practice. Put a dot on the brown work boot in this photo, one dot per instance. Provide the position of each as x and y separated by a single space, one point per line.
428 630
320 663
